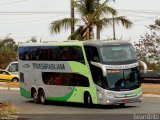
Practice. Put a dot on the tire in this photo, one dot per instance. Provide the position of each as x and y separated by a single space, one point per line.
88 100
42 97
15 80
122 104
35 96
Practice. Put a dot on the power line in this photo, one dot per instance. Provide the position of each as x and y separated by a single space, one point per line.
18 1
31 21
131 13
64 12
140 11
34 12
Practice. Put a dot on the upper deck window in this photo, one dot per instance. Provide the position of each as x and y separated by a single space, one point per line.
51 53
116 53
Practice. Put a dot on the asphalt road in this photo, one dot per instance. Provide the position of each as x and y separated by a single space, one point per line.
150 107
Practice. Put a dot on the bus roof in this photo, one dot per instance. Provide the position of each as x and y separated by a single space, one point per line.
51 43
79 43
103 42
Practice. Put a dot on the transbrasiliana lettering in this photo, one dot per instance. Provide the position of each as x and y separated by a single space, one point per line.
48 66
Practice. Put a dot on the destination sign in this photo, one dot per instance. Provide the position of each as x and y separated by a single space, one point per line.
122 66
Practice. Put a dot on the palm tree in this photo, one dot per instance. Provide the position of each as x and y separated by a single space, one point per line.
93 14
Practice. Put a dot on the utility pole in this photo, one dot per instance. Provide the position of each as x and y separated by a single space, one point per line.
72 16
114 33
98 29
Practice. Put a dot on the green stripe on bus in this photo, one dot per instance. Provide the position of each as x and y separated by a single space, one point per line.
63 98
25 92
137 90
78 67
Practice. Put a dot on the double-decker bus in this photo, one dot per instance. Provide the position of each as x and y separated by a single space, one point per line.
89 72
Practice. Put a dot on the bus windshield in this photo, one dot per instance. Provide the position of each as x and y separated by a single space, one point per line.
123 79
116 53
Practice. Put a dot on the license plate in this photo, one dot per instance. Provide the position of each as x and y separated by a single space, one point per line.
125 100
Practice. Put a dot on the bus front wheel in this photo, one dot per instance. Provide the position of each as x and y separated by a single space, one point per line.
42 96
122 105
88 100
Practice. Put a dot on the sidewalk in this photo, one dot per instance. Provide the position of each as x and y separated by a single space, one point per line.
9 86
151 95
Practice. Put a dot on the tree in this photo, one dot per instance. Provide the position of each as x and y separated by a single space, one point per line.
148 47
8 51
93 14
156 25
33 39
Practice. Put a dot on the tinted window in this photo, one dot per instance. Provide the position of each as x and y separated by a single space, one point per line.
92 53
117 53
66 79
123 79
52 53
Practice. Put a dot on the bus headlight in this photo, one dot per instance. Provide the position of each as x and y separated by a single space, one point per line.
139 93
108 101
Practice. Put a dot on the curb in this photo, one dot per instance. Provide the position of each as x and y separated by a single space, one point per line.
9 88
151 95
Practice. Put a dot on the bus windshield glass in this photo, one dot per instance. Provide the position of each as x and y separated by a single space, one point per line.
123 79
117 53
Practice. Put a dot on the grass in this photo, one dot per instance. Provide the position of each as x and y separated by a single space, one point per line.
10 84
151 86
152 92
13 84
151 89
8 111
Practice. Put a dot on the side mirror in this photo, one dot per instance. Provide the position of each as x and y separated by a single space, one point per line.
143 64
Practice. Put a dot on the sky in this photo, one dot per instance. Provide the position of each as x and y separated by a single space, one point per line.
18 21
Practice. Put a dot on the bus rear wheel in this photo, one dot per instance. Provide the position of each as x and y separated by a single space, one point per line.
42 97
88 100
35 96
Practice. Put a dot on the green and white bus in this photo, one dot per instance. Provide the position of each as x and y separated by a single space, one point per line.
89 72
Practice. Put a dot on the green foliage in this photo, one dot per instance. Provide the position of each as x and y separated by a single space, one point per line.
33 39
148 47
8 51
93 14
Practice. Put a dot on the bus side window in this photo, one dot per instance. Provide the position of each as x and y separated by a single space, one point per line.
65 79
69 53
92 54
